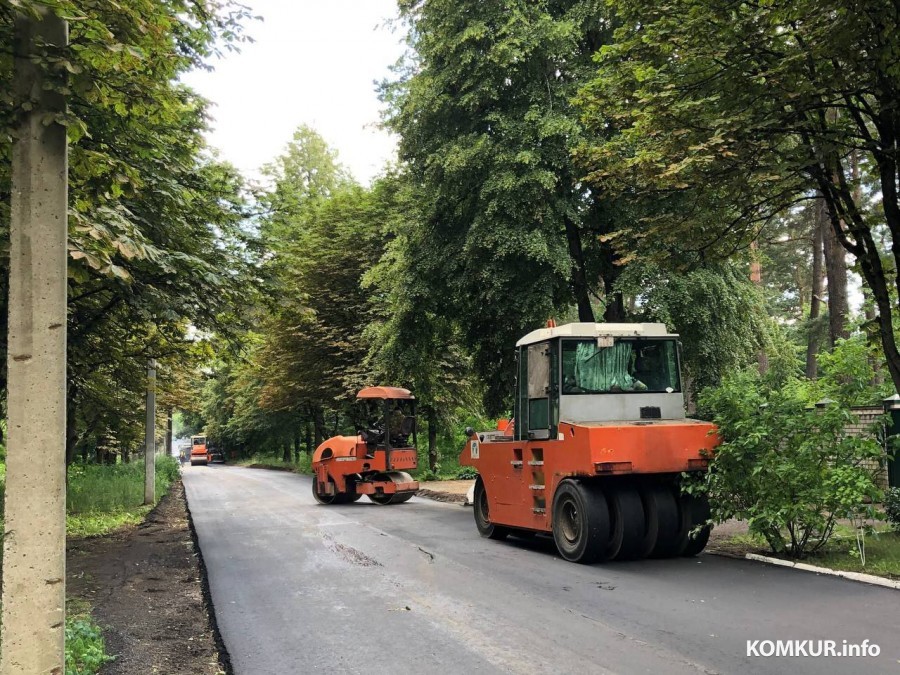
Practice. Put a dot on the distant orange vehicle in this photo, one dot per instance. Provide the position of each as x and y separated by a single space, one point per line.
199 454
597 448
375 461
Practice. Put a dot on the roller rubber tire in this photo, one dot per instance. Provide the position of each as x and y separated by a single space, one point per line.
626 533
661 517
580 522
483 516
698 508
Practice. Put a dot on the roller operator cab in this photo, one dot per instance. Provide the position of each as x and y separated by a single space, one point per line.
375 461
596 448
199 454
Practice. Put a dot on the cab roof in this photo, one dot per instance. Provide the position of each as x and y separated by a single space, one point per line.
385 392
595 330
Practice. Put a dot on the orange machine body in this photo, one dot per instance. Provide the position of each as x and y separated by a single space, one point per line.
521 476
597 447
375 461
344 458
199 454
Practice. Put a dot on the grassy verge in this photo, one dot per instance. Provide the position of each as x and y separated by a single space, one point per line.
97 524
882 554
102 498
840 553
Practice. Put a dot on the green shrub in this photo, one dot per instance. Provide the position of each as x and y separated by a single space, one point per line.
789 469
427 475
305 463
892 507
85 648
466 472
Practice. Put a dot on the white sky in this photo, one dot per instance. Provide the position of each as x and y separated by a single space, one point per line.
313 62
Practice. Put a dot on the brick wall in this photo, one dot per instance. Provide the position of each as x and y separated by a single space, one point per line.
866 416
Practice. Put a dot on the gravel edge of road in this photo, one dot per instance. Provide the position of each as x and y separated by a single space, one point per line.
437 496
224 656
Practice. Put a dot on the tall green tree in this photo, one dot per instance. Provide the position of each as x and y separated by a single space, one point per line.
155 222
756 106
510 234
413 341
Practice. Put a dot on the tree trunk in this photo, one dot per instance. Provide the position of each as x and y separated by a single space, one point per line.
762 359
286 452
431 414
309 439
871 340
614 310
71 423
580 288
858 238
126 455
820 225
296 446
836 270
318 424
169 433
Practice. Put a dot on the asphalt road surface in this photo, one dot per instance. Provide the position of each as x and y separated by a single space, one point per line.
412 588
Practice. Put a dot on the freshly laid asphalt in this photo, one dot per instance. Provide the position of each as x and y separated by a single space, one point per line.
412 588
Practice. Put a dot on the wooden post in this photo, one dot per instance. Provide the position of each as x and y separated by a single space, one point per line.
34 561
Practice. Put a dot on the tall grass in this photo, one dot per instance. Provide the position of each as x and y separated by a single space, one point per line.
103 488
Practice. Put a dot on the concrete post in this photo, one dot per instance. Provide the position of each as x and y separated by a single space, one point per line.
34 563
150 436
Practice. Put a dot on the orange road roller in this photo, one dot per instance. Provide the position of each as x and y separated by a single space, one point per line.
597 449
375 461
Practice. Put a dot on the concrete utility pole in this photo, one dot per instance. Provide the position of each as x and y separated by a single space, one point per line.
150 436
34 545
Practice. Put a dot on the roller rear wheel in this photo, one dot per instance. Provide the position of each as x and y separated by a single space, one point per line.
627 526
580 522
697 514
482 513
661 520
323 498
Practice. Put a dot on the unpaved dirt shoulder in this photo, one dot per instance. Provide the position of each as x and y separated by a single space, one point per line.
146 590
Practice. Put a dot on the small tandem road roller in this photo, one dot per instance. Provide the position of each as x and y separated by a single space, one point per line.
375 461
597 447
